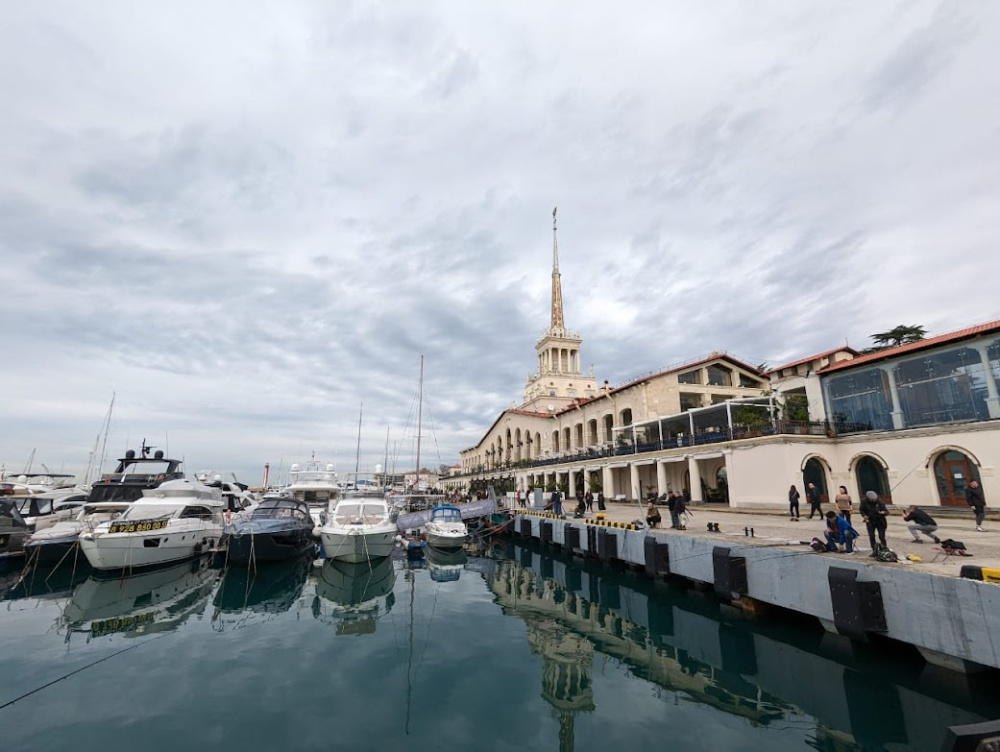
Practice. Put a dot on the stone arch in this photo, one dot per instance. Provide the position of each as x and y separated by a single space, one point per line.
952 469
870 475
815 470
934 453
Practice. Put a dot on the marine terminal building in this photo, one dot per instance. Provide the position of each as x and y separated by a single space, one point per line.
915 423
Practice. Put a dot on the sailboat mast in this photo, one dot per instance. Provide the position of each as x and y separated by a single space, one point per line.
420 414
357 456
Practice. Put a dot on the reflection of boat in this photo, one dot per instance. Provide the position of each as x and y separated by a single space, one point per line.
42 582
358 529
152 601
277 529
49 545
445 566
359 593
445 528
177 520
271 588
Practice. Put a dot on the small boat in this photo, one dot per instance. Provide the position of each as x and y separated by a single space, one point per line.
445 528
358 528
177 520
13 530
40 510
359 594
277 529
51 544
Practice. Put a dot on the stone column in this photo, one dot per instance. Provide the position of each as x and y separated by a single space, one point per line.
992 400
633 473
572 484
695 487
661 478
897 411
607 482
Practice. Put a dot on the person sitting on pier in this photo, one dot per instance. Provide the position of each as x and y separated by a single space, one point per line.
652 515
839 534
920 522
581 509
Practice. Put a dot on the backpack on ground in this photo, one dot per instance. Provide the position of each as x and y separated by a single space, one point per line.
817 545
884 553
954 545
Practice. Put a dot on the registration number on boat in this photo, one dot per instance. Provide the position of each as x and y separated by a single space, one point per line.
121 624
137 526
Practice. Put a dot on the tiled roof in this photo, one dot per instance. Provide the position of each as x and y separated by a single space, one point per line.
811 358
923 344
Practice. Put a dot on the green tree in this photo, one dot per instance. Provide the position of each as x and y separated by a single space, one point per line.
900 335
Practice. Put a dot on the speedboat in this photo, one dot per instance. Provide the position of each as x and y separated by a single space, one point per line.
315 484
359 594
176 520
13 530
445 528
358 528
277 529
51 544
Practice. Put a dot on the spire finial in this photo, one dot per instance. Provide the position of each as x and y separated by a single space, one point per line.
557 304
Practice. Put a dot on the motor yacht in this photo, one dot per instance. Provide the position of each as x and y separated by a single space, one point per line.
315 484
445 528
176 520
358 528
277 529
134 474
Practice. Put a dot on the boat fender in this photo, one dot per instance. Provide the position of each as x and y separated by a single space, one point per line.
316 533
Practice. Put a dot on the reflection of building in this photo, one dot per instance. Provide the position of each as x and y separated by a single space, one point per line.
566 683
918 420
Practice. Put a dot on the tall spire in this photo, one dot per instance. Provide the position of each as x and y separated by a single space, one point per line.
557 304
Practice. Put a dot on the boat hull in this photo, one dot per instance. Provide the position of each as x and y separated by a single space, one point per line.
274 546
446 541
357 546
113 551
51 551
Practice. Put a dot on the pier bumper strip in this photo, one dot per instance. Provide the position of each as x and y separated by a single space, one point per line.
857 606
983 574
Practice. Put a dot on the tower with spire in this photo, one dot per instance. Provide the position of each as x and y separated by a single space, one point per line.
559 379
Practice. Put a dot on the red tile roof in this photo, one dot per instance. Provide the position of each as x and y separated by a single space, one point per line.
923 344
811 358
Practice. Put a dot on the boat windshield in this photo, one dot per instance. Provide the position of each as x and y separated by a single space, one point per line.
9 516
279 509
151 511
446 514
359 513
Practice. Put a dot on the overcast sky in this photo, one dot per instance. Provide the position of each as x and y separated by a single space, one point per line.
247 220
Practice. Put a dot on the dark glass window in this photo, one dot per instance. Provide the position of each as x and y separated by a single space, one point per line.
942 387
691 377
861 398
719 376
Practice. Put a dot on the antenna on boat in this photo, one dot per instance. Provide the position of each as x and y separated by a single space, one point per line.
420 411
385 462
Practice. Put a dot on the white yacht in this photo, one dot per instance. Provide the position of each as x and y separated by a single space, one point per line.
358 528
315 484
358 594
445 528
50 544
176 520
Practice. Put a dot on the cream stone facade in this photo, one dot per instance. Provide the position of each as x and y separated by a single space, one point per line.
915 424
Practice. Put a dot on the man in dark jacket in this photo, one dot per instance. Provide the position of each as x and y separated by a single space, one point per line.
977 500
875 514
920 522
815 505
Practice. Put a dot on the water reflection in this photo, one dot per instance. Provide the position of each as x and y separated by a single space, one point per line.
159 600
354 596
690 647
445 566
42 582
268 589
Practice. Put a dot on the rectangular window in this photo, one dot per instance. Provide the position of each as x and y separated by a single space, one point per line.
747 383
861 399
719 376
689 401
942 387
691 377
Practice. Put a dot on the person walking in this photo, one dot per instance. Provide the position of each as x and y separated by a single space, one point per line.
520 498
793 503
815 505
843 503
600 501
557 502
672 508
920 522
975 498
875 514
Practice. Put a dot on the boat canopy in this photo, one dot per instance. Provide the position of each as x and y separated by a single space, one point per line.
279 508
446 514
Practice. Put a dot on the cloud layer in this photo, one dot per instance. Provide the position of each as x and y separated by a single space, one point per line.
247 225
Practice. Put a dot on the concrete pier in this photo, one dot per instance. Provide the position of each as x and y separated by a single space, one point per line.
951 620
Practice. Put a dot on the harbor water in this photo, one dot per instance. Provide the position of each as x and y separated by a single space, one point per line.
504 647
